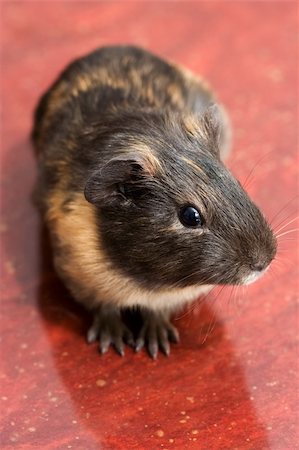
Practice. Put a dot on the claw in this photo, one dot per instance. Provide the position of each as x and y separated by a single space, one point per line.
92 335
119 346
156 333
105 341
109 329
139 344
128 337
103 348
173 334
163 341
153 348
165 347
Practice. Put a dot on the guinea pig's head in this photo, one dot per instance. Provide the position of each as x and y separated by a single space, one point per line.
170 214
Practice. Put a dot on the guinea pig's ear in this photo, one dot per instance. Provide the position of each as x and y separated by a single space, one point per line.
107 183
216 125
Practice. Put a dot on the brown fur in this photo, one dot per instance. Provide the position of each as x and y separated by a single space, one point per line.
125 141
82 263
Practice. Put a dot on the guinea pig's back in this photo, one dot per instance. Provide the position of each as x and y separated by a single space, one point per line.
120 76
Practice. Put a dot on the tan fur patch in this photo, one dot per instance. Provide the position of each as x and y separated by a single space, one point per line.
194 166
78 255
82 263
191 125
175 94
153 165
83 82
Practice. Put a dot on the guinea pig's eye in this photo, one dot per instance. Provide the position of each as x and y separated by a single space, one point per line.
190 217
122 189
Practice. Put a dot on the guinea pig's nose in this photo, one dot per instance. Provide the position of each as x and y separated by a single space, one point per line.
258 267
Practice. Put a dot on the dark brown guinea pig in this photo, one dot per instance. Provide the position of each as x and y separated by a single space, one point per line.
140 208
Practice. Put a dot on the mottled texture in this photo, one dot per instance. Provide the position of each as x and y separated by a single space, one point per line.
124 142
232 382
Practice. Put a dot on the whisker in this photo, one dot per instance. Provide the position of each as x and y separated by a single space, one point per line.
210 327
273 273
281 264
237 298
240 289
212 324
280 259
287 239
283 220
286 232
229 299
282 209
213 321
254 167
190 275
197 303
232 300
286 224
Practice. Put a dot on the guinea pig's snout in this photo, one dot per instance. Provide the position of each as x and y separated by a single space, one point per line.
258 267
253 276
256 271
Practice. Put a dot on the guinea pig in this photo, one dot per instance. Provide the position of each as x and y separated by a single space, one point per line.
141 210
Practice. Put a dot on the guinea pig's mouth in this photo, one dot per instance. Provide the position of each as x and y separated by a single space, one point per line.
253 276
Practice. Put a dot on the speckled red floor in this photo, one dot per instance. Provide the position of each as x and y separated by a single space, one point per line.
231 383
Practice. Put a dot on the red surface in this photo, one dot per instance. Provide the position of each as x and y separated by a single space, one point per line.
232 382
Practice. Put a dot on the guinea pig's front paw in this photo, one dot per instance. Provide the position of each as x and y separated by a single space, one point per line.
109 329
156 333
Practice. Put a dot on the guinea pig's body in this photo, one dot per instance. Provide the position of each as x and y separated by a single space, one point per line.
140 208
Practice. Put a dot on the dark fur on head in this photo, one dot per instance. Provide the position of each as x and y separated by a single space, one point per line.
161 163
136 134
162 219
